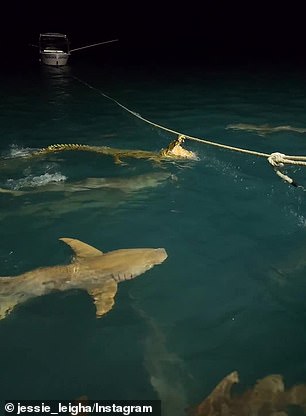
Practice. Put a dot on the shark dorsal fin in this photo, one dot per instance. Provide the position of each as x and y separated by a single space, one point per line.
81 250
103 296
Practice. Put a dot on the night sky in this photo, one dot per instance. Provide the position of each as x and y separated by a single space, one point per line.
177 31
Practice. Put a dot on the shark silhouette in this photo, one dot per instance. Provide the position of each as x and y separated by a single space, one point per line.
264 129
130 184
92 193
92 270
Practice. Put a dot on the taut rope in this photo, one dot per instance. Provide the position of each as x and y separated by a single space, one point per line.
276 159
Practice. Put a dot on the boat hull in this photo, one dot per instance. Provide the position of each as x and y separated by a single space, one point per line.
54 58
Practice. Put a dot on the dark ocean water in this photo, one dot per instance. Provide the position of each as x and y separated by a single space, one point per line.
230 296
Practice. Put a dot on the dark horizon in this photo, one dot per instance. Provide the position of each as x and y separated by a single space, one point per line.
204 33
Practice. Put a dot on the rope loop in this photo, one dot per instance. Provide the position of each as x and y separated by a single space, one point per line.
276 159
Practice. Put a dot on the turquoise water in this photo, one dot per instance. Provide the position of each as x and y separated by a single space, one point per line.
230 296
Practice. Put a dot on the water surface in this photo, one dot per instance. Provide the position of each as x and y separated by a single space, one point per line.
231 295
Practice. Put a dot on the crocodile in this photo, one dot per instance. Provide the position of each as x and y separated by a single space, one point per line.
173 151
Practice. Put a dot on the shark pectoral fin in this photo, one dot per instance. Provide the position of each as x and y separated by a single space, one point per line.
7 304
82 250
104 297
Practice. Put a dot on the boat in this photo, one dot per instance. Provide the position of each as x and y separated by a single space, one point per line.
54 48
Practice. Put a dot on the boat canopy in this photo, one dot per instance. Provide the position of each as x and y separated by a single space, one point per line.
53 41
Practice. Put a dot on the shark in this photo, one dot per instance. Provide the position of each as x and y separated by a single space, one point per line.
132 184
91 270
269 397
166 370
57 199
264 129
291 266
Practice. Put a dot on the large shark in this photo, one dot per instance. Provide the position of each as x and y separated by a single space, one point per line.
94 194
92 270
264 129
131 184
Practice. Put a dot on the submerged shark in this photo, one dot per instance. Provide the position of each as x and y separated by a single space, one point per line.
264 129
134 183
95 194
167 373
92 270
268 397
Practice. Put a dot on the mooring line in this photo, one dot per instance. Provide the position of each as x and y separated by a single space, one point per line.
277 160
198 139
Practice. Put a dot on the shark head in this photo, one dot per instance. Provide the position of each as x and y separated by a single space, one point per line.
129 263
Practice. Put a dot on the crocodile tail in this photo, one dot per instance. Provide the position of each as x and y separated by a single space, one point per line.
60 148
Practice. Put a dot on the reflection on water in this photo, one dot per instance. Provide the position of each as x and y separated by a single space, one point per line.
58 78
